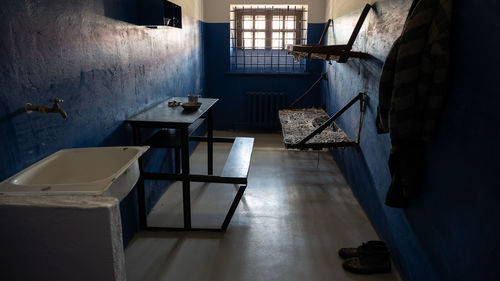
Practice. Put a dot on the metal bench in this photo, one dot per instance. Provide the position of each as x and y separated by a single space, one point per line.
236 170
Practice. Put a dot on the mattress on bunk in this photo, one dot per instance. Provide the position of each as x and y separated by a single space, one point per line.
299 123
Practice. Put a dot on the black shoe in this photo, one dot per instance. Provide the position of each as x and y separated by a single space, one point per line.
373 245
369 262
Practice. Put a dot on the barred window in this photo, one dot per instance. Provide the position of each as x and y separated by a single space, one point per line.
260 33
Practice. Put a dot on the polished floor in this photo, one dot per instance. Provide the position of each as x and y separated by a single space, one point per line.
297 211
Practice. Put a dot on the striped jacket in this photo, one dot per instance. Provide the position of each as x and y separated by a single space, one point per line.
412 91
414 79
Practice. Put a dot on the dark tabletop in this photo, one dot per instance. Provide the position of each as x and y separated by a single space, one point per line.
163 115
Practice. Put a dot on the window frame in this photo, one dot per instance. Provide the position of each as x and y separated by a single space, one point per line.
269 14
266 58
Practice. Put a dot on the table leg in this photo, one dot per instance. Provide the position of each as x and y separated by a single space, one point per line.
210 142
141 198
186 200
177 155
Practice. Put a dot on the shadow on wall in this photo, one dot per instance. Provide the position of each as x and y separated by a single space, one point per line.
8 116
121 135
354 168
367 172
122 10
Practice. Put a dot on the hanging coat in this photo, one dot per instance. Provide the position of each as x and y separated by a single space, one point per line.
412 91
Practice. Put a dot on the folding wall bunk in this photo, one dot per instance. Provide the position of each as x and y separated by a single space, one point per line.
338 53
313 128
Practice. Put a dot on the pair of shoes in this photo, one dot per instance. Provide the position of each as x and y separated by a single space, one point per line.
370 257
374 245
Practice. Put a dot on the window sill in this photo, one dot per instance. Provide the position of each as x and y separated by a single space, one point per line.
267 73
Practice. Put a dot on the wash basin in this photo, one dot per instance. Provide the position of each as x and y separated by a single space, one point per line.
102 171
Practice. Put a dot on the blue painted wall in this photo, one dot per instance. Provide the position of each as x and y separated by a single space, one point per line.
106 69
450 231
230 88
90 54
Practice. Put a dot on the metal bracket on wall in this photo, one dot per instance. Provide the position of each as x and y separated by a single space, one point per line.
323 76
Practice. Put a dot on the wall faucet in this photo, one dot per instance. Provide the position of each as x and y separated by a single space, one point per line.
45 109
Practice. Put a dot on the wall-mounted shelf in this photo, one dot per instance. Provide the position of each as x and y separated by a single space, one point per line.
154 13
338 53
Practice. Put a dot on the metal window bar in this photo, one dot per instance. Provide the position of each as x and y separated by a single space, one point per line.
252 45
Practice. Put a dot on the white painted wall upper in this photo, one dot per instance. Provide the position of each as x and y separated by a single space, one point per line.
337 8
192 8
218 10
319 10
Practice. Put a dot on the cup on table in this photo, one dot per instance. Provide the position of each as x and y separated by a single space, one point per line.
193 98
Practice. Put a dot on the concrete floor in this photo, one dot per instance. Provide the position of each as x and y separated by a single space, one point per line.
293 218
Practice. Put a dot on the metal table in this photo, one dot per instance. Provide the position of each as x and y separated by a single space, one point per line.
181 124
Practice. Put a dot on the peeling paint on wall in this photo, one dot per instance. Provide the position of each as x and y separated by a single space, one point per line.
447 232
103 67
367 171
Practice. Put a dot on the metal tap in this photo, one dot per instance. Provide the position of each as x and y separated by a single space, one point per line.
45 109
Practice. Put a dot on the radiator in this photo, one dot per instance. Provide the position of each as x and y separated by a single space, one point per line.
263 109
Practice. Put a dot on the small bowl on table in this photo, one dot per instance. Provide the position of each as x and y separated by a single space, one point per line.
191 106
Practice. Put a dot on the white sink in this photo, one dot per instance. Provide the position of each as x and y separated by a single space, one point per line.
101 171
